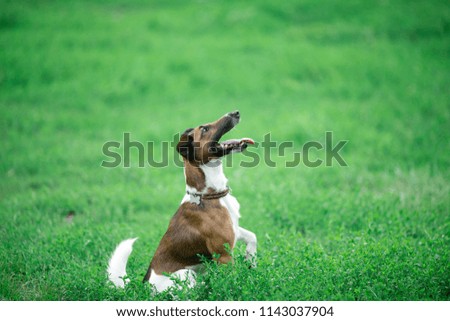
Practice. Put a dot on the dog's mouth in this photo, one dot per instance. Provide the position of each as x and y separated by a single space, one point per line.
236 145
225 124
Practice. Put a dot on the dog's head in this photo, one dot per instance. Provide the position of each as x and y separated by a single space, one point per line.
201 145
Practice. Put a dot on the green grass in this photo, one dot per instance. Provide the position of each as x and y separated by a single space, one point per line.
75 74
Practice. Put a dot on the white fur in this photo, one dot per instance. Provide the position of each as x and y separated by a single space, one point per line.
162 282
249 238
214 176
118 263
187 198
190 197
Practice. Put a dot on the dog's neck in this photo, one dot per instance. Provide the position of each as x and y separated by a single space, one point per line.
207 178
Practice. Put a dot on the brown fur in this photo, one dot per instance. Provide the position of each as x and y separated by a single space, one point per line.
194 176
198 146
193 231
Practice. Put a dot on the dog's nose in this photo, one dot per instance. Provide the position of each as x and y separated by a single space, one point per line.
235 114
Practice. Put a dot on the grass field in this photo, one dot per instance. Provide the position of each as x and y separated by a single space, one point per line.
76 74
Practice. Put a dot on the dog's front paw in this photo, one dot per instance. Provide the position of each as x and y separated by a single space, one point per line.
251 260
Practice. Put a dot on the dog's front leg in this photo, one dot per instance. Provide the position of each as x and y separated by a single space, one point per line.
249 238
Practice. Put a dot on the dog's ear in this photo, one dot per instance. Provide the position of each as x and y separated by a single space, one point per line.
186 144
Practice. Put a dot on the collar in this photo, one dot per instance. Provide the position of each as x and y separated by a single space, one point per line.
210 196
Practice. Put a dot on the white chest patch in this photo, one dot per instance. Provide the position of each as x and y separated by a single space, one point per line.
214 176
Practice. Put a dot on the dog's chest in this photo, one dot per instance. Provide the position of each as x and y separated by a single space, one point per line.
232 206
216 180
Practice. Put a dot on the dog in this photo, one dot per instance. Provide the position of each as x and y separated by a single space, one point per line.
207 222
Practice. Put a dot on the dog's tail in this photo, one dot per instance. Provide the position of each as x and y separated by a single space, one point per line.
118 263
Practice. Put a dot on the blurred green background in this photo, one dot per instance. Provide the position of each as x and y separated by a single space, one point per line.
76 74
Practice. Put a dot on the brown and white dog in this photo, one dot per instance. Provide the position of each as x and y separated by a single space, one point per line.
207 220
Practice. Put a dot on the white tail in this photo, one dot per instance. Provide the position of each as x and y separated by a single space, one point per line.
118 263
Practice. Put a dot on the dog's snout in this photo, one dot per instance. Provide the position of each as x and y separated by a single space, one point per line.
235 114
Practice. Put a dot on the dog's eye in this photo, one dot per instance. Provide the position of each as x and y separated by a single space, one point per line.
204 129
